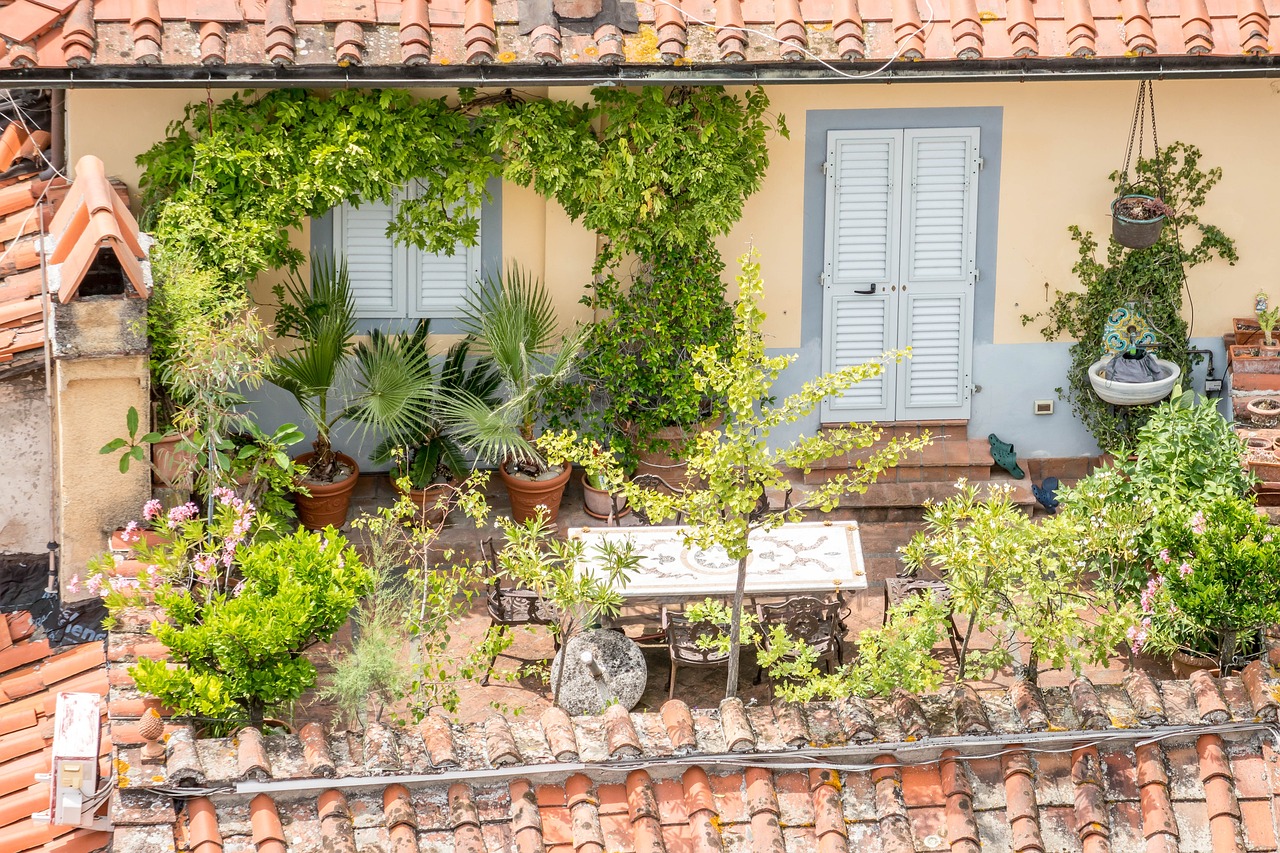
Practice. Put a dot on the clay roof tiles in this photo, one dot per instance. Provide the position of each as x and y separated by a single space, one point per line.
31 676
1138 766
398 33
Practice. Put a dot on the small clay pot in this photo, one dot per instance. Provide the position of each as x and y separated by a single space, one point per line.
527 495
1184 664
328 502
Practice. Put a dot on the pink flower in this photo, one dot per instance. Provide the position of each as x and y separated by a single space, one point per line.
1197 522
224 495
94 585
180 514
1149 594
1184 569
1138 635
151 510
1164 555
73 585
130 532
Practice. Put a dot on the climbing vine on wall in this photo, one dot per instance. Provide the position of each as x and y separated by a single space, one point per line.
1153 279
657 173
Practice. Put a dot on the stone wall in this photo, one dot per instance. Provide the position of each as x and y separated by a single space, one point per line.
27 479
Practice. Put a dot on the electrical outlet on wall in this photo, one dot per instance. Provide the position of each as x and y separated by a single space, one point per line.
1044 407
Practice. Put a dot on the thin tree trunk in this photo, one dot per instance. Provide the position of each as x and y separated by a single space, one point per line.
735 629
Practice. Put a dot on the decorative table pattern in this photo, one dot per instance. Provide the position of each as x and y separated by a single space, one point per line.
809 557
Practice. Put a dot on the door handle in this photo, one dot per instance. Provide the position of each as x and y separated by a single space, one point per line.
867 292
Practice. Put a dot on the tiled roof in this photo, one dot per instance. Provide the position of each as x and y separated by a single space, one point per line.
96 217
397 33
26 203
31 677
1142 766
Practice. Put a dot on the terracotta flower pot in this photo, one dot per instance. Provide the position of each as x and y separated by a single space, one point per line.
670 464
430 513
527 495
329 502
1185 664
171 467
598 503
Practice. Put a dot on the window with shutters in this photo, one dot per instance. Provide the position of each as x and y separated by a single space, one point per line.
392 281
900 269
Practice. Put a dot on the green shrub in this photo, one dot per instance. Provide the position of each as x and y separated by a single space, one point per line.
1216 582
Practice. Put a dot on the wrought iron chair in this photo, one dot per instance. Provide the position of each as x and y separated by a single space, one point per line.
899 589
819 624
511 606
683 647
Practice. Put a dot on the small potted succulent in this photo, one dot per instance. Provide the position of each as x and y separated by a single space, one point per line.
1137 220
1267 318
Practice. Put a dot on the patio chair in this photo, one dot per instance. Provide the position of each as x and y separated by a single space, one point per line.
683 648
512 606
898 590
820 624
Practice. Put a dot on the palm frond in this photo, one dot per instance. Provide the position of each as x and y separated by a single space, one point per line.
491 432
394 381
514 321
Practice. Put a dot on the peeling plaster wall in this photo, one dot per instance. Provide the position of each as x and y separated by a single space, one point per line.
26 487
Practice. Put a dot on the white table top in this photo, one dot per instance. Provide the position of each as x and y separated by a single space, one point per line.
809 557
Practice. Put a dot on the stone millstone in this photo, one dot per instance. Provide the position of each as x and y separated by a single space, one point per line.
618 656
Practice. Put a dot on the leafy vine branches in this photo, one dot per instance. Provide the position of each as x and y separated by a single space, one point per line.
1152 279
658 174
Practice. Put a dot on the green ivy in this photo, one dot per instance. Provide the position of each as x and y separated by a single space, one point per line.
657 173
1152 278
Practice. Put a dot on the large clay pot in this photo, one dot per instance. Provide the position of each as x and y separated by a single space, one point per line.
429 512
527 495
170 466
329 502
1185 664
598 503
670 464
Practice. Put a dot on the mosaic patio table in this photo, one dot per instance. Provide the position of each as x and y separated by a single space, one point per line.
814 558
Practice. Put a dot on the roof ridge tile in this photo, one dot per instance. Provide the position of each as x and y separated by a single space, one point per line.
499 742
1261 695
1145 696
437 735
915 726
738 734
620 735
315 751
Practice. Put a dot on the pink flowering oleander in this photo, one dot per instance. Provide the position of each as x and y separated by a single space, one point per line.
224 495
94 585
180 514
1149 593
130 532
151 510
73 584
1184 569
1197 522
1164 555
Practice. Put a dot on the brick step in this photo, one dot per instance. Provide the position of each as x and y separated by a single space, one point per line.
945 460
897 495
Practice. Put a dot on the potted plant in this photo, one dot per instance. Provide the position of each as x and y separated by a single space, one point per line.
380 385
513 322
1215 587
240 612
1137 219
1267 318
425 454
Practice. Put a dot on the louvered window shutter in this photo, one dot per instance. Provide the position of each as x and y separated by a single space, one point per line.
375 264
861 260
938 273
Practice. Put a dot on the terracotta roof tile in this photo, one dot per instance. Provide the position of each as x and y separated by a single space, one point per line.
1078 782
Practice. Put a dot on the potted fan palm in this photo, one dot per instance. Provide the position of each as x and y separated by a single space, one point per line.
382 387
514 323
425 454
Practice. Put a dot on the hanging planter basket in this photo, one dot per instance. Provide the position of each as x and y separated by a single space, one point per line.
1137 220
1132 393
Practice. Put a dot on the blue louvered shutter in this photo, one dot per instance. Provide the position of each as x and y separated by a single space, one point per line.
860 263
375 264
938 272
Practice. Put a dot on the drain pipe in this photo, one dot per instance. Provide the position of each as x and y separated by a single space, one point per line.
58 129
51 585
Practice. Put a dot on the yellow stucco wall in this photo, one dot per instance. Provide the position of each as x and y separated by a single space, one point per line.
1060 141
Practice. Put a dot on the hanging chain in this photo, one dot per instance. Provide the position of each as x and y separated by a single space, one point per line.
1145 103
